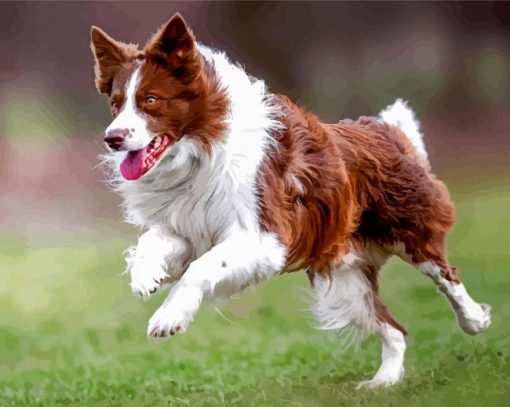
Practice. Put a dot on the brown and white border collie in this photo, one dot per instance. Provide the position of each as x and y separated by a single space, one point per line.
233 184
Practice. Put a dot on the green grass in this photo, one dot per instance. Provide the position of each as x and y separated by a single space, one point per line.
72 334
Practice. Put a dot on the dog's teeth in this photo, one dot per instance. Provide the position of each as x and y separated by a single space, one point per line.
157 143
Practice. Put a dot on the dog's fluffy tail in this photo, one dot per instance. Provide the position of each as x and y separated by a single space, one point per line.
401 115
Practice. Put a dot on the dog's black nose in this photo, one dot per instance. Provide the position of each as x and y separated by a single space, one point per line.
114 138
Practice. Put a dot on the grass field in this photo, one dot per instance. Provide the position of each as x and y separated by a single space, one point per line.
72 334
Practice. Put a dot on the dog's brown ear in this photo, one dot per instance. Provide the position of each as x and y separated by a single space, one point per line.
174 47
109 55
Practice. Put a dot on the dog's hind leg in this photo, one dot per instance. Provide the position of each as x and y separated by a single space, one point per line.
423 244
348 299
472 317
391 370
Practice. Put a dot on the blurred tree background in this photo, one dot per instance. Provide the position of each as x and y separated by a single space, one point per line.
450 60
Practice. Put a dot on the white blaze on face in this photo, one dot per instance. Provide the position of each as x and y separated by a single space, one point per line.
131 118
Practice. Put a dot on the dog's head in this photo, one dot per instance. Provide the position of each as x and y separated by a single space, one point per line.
157 95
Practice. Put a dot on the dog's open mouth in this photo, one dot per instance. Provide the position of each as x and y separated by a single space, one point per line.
139 162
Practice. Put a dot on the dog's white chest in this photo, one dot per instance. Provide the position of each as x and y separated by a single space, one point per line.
198 210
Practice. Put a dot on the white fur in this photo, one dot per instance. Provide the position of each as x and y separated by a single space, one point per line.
345 300
391 370
473 318
132 119
202 221
160 257
401 115
208 202
240 260
197 197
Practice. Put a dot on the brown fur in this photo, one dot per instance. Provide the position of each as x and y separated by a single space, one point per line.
111 58
303 187
188 95
325 189
331 188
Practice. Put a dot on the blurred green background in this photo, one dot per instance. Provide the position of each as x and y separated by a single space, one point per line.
70 331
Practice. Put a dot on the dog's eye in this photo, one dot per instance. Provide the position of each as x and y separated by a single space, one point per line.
151 99
114 108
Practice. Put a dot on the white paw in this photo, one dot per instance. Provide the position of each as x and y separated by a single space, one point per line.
477 320
386 378
374 384
147 279
167 322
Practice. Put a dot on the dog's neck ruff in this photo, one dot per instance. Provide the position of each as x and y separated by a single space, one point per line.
198 195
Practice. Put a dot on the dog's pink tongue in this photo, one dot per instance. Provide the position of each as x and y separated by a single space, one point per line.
132 166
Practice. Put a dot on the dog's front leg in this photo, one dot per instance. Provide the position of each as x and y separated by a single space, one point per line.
158 258
240 260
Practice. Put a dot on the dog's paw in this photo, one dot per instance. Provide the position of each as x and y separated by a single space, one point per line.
385 378
145 282
477 320
373 384
167 322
